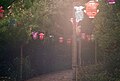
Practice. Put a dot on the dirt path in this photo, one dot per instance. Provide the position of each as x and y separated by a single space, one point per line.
58 76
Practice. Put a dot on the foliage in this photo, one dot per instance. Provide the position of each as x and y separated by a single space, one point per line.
24 16
92 73
108 36
27 70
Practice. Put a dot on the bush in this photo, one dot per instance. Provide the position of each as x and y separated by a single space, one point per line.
92 73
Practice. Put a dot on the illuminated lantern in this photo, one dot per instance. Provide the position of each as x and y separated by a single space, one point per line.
51 36
41 36
61 39
111 1
69 41
35 35
1 12
83 35
91 9
88 37
92 37
79 14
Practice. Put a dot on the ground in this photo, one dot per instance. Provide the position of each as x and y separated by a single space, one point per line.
65 75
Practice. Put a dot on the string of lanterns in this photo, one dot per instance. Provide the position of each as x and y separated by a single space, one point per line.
41 36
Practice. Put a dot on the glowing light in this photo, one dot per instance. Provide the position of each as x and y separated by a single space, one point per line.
41 36
92 37
35 35
61 39
69 41
88 37
91 9
1 10
111 1
83 35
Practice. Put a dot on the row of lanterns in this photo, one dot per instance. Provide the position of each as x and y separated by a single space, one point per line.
41 36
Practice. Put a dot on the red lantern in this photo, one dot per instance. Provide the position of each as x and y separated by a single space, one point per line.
41 36
1 11
34 35
69 41
91 9
61 39
111 1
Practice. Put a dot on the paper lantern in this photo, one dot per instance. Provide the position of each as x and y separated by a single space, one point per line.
35 35
91 9
41 36
61 39
88 37
69 41
83 36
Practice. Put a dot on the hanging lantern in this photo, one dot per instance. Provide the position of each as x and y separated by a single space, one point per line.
35 35
1 12
83 36
111 1
92 37
91 9
51 36
41 36
61 39
79 14
88 37
69 41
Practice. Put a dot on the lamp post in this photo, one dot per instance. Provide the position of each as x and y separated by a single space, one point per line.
79 15
74 51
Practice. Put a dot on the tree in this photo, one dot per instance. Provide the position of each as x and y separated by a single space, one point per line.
108 36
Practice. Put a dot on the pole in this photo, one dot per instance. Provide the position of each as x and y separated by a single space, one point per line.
74 55
21 62
80 53
74 47
95 52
